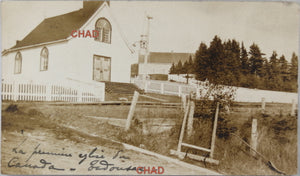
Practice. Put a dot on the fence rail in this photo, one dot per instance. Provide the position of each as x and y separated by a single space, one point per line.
242 94
164 87
68 90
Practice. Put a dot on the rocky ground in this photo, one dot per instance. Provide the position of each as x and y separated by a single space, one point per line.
35 143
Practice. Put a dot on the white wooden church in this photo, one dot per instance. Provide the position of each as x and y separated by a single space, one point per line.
75 67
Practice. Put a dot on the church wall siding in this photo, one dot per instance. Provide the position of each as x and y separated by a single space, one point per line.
83 50
31 64
73 58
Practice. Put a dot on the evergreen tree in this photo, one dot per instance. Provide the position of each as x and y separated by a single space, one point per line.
185 68
293 70
274 77
244 60
191 68
265 70
283 69
216 62
293 73
256 60
172 69
274 63
233 62
188 68
227 63
179 68
202 62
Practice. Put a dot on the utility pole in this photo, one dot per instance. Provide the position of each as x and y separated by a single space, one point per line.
145 44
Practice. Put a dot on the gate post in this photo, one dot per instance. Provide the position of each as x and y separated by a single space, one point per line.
132 109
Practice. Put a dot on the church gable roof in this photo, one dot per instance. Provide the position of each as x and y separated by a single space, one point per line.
165 57
60 27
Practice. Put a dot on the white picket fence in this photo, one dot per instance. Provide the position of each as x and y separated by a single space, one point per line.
68 90
242 94
164 87
181 78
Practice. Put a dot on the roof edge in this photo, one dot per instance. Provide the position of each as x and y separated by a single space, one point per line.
105 3
171 52
32 46
55 41
121 33
97 11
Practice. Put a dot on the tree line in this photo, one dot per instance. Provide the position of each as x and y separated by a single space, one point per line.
229 63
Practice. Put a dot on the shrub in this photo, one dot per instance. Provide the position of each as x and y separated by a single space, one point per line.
12 108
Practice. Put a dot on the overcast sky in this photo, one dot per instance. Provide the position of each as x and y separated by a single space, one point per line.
177 26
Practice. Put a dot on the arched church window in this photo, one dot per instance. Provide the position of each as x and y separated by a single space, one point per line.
104 30
18 63
44 59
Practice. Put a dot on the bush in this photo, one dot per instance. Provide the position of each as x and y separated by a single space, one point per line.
217 93
12 108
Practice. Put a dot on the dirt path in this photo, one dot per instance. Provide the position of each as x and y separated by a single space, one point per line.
17 148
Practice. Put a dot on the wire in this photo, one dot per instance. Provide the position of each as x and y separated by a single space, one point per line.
268 162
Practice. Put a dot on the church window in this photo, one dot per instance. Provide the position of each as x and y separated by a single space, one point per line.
18 63
44 59
104 29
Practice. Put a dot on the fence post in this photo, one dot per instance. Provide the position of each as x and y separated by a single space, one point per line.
293 108
211 154
198 93
190 119
79 94
132 109
263 105
183 127
183 99
254 136
146 86
162 88
179 91
227 109
48 92
15 89
102 92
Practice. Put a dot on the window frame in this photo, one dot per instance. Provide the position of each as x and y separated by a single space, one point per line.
42 59
18 59
100 38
